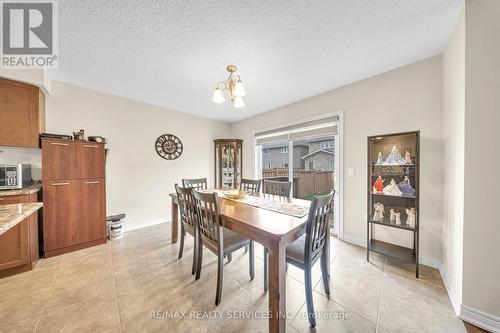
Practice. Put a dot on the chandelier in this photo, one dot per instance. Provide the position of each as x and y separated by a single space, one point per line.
234 87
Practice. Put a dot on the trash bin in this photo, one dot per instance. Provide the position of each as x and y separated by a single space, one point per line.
115 226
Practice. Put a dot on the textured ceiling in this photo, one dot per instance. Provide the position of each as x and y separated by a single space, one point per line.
172 53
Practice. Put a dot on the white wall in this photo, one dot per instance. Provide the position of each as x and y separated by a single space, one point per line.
454 139
138 180
408 98
481 280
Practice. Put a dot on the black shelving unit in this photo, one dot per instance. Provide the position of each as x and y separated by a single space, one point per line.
407 141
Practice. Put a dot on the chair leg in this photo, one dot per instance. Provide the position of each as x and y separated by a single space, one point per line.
220 274
181 245
195 254
324 274
251 263
246 249
266 272
199 259
309 296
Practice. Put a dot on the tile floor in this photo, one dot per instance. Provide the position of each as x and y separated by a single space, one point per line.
136 284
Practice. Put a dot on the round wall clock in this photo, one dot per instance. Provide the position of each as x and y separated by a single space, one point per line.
169 146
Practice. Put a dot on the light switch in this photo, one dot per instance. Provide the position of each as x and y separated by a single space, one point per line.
350 172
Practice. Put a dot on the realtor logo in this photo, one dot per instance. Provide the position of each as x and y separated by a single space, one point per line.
29 38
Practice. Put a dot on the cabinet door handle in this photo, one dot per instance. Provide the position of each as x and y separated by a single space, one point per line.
1 199
91 146
58 144
93 182
59 184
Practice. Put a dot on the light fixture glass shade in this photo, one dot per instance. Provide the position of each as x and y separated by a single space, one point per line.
238 102
218 96
239 89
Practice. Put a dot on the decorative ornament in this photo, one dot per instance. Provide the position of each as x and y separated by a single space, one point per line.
393 214
398 218
380 159
405 187
169 146
411 217
408 158
378 187
394 157
378 214
392 189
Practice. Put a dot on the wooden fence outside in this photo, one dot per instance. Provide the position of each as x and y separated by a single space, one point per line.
305 182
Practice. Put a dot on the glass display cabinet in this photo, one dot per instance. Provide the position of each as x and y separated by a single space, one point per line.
393 193
228 163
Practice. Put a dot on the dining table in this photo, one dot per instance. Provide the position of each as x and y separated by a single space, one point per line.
274 230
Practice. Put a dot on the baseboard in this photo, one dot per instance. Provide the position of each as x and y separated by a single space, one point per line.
145 224
424 260
480 319
454 299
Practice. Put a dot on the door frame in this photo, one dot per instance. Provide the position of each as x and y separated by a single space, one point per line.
339 161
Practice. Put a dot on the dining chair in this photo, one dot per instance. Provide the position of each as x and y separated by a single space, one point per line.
188 220
221 241
250 185
281 189
277 188
196 183
305 251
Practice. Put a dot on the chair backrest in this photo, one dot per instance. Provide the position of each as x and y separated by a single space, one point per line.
196 183
186 205
277 188
317 225
208 216
250 185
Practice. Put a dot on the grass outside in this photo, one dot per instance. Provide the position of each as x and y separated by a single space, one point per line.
311 196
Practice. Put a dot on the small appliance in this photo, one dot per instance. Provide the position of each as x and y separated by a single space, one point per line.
15 176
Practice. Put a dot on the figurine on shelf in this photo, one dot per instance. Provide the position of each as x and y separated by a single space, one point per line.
393 215
378 214
408 158
405 187
394 157
411 217
392 189
378 187
398 218
380 159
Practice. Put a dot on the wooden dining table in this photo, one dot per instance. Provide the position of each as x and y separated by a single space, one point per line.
273 230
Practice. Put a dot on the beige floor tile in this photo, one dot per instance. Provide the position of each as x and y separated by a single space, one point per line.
331 317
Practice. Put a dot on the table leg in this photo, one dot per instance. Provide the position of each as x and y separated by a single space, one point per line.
277 288
175 221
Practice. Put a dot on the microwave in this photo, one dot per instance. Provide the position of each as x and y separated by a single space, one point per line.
15 176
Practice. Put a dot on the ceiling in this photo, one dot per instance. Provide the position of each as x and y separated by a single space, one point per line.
172 53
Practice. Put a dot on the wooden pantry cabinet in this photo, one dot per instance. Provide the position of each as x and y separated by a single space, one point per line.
74 195
22 116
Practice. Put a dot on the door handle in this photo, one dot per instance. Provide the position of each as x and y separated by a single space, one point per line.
91 146
93 182
58 144
59 184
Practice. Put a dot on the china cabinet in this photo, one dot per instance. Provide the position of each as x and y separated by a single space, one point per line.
228 163
393 193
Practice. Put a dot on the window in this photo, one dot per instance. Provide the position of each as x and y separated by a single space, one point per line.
330 165
266 151
268 166
326 144
285 165
284 150
311 165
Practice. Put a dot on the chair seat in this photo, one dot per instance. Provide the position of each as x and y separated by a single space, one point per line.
295 251
233 240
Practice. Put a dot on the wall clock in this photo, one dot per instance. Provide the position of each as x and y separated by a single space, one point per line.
169 146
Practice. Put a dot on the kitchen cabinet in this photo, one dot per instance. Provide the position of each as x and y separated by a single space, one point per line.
23 114
74 195
90 160
59 214
91 210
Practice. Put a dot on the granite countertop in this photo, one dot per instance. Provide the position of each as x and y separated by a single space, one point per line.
11 215
21 191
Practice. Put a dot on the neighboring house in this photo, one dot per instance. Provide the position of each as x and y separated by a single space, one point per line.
315 154
277 156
